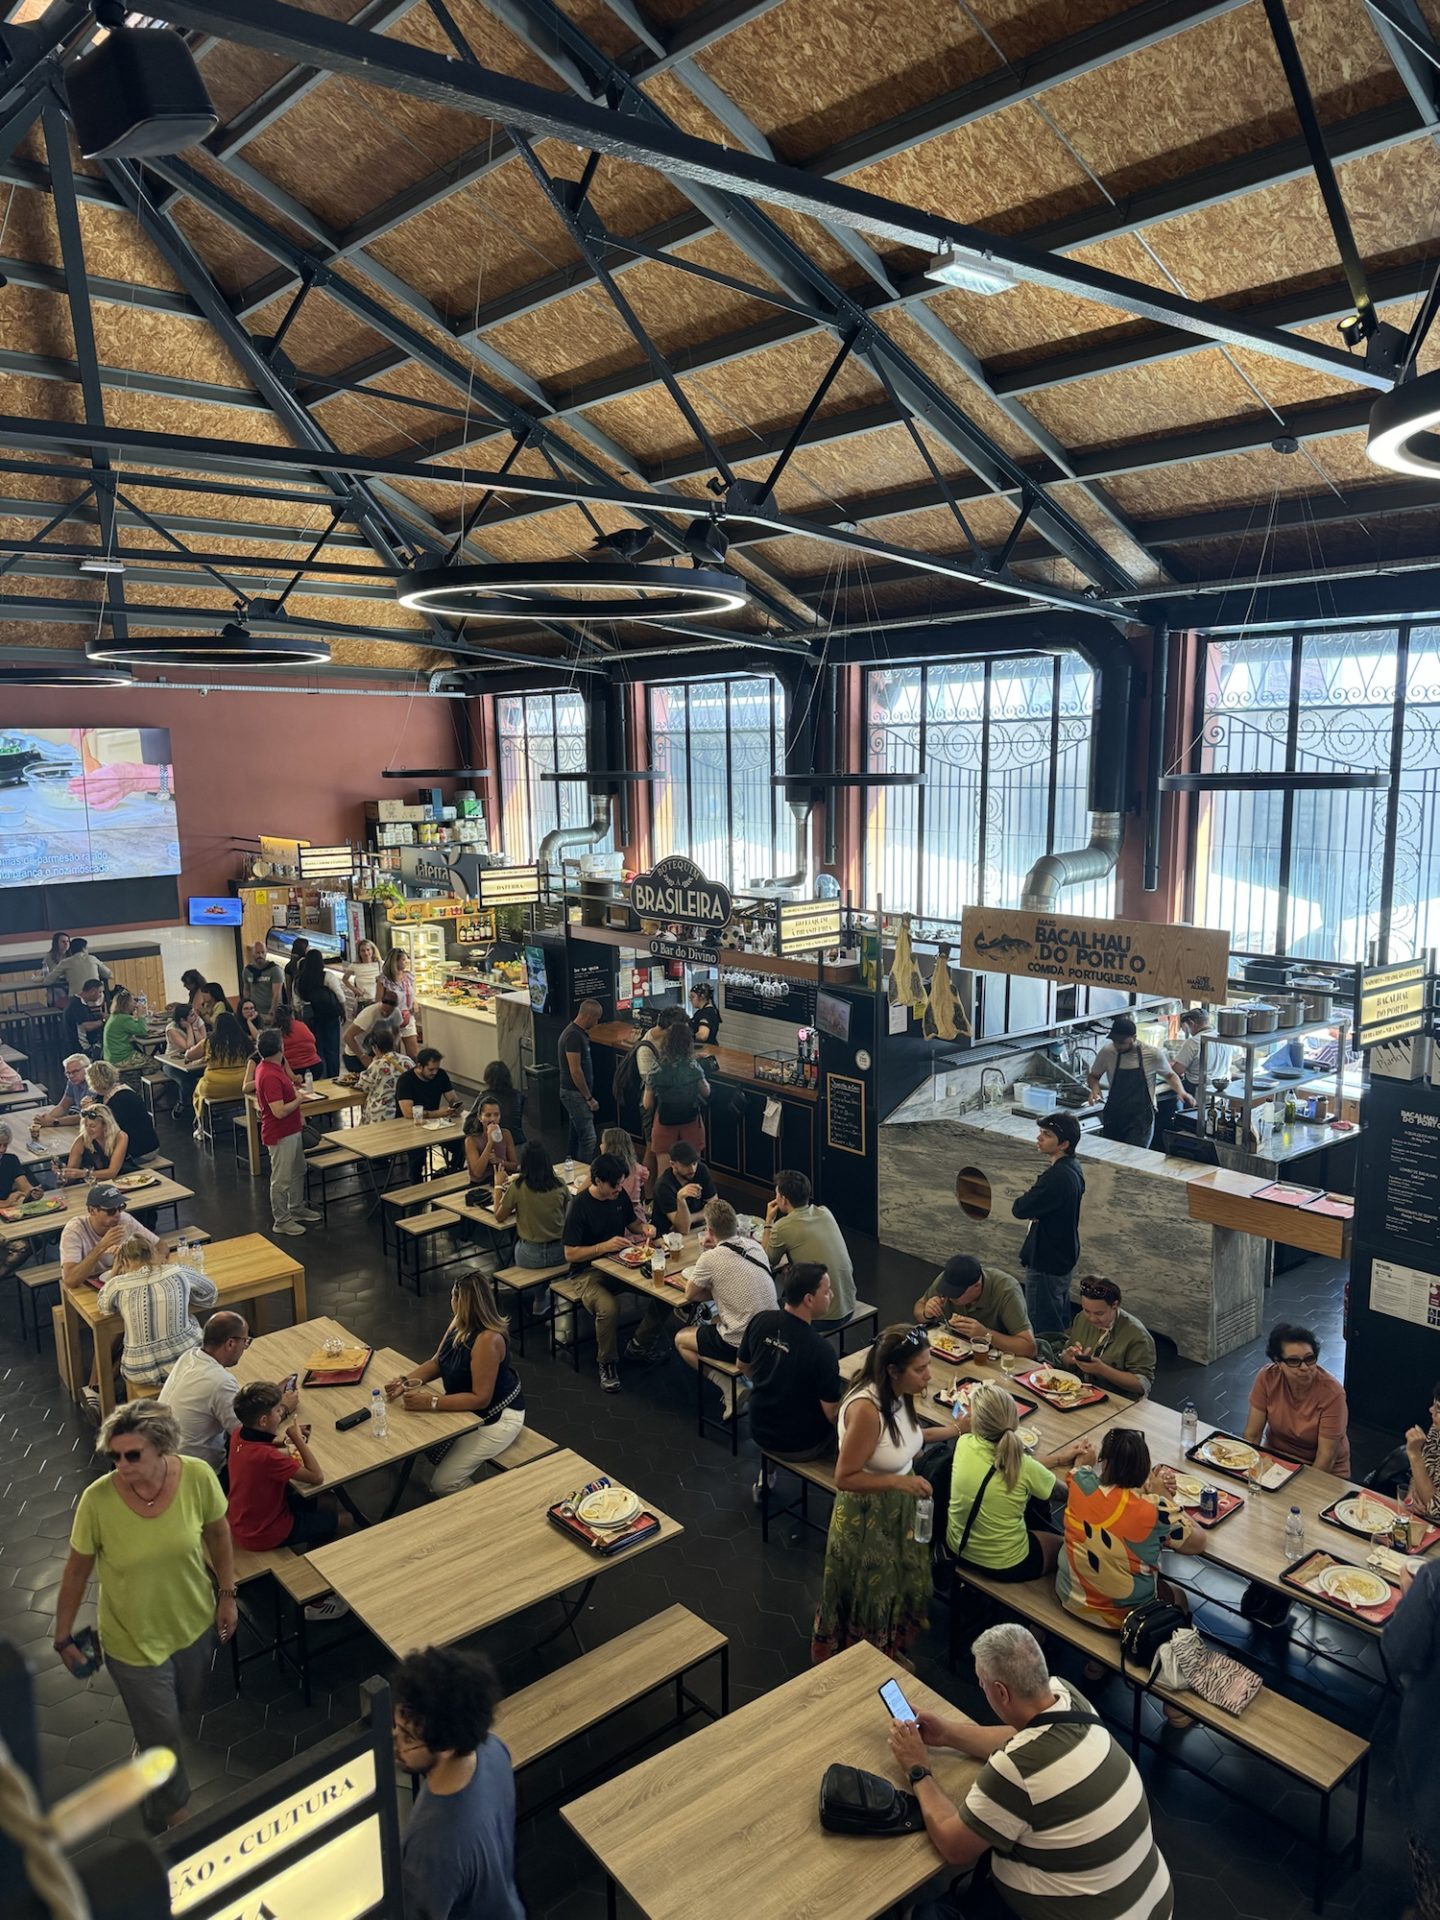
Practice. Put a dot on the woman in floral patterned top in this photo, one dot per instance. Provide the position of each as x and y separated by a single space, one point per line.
1422 1449
379 1080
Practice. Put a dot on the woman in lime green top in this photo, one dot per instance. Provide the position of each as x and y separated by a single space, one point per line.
149 1527
122 1030
992 1477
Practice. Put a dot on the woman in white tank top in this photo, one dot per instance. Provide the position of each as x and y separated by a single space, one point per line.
877 1575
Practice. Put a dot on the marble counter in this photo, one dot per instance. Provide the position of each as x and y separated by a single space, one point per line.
1201 1286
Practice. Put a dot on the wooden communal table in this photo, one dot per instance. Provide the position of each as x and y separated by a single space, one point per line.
249 1268
442 1572
376 1140
640 1279
330 1096
162 1192
1056 1429
737 1806
1251 1542
32 1094
358 1451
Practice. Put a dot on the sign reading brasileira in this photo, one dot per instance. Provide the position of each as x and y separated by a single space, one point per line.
675 890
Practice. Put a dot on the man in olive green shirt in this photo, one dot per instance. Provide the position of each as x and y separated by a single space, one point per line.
799 1232
971 1298
1108 1345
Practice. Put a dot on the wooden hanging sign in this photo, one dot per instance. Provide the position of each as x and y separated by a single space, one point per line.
1136 956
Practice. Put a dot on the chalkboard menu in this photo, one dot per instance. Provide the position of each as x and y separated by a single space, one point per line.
592 976
1406 1184
845 1113
796 1006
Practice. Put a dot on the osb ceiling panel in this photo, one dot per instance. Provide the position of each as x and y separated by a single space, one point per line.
1236 479
1141 403
235 76
810 73
1217 90
232 262
985 413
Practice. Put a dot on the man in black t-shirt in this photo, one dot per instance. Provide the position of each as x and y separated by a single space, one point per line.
682 1190
427 1085
85 1019
577 1078
794 1372
600 1222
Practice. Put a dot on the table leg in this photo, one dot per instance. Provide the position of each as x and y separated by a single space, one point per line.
298 1304
105 1364
259 1314
74 1349
392 1505
252 1139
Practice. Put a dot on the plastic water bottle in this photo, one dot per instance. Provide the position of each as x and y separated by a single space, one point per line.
569 1171
924 1519
195 1258
1189 1426
1294 1534
379 1414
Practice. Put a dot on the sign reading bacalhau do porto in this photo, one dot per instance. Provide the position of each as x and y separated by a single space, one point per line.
1394 1002
1137 956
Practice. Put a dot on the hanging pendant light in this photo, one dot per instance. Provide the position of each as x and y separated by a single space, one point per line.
233 646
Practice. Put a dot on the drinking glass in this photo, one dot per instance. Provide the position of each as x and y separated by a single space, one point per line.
1008 1363
980 1344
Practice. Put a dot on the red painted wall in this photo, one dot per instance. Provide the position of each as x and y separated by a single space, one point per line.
291 764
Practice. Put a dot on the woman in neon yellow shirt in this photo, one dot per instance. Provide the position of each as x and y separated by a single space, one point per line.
123 1028
148 1528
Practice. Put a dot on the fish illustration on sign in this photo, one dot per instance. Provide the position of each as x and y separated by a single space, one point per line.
1007 943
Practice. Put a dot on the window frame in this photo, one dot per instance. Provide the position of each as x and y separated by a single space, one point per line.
779 718
533 786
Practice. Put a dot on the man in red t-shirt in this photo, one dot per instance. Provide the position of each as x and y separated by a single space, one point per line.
263 1513
281 1130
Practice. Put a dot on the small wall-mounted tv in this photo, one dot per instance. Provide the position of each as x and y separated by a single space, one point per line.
832 1015
215 910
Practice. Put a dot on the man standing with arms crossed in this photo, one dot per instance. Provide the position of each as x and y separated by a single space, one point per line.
577 1079
1051 1251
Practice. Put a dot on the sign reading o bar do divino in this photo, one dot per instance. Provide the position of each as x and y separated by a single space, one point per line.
1136 956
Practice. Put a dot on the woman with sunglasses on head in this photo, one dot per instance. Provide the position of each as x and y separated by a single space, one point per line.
1109 1346
152 1529
99 1150
1298 1408
877 1574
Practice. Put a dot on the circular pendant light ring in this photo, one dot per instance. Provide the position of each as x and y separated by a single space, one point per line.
1402 428
231 647
573 590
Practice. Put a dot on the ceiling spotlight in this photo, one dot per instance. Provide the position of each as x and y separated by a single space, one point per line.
102 566
233 646
573 590
79 675
137 92
971 270
1402 424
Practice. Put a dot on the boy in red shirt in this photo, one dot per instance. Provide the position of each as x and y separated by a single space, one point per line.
263 1511
281 1129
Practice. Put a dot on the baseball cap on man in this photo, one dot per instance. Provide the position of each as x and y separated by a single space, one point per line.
106 1196
959 1274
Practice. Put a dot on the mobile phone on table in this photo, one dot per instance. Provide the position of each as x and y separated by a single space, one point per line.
893 1694
289 1385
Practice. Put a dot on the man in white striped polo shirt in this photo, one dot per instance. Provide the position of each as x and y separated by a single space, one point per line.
1058 1804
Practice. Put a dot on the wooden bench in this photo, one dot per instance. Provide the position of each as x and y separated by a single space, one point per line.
327 1161
1301 1743
566 1704
567 1290
713 1370
864 1316
810 1473
398 1201
527 1447
413 1233
30 1283
522 1281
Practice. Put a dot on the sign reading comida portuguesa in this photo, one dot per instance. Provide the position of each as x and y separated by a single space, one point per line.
675 892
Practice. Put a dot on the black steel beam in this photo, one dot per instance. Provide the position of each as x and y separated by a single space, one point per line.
42 366
1410 43
335 576
1261 520
1371 595
292 34
123 293
213 455
82 326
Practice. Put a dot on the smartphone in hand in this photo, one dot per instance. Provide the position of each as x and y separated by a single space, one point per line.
88 1641
894 1697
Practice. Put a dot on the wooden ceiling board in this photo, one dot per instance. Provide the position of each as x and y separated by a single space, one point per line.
235 76
497 235
115 246
323 338
810 73
1142 403
1215 91
1236 479
488 38
952 379
1281 237
233 263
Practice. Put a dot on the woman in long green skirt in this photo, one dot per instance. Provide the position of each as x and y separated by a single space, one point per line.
877 1575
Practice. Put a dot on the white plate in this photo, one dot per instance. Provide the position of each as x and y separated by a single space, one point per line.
1029 1437
1354 1586
1236 1456
1188 1489
1056 1380
609 1507
1367 1516
953 1348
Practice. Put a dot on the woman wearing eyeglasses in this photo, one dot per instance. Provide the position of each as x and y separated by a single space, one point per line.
1108 1345
877 1575
148 1529
1298 1408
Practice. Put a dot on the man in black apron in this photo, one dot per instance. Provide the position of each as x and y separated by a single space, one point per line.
1129 1114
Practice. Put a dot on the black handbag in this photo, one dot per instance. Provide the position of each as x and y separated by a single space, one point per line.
853 1801
1147 1628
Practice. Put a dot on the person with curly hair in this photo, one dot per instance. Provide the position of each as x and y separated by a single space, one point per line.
458 1854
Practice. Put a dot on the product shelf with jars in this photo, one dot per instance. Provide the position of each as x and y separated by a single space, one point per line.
424 943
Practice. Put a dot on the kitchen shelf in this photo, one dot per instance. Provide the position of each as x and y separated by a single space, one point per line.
1271 1040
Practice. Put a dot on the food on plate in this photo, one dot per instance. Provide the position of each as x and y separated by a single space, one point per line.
1356 1586
948 1347
608 1507
956 1396
1233 1455
634 1256
1188 1489
1028 1436
1055 1380
1370 1516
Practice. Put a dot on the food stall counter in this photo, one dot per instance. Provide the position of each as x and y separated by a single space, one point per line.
734 1064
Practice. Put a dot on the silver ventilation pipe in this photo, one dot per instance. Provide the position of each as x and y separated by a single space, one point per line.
1109 658
1040 891
555 844
800 812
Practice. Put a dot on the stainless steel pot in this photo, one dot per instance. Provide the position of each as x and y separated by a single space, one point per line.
1318 1006
1231 1022
1290 1007
1261 1018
